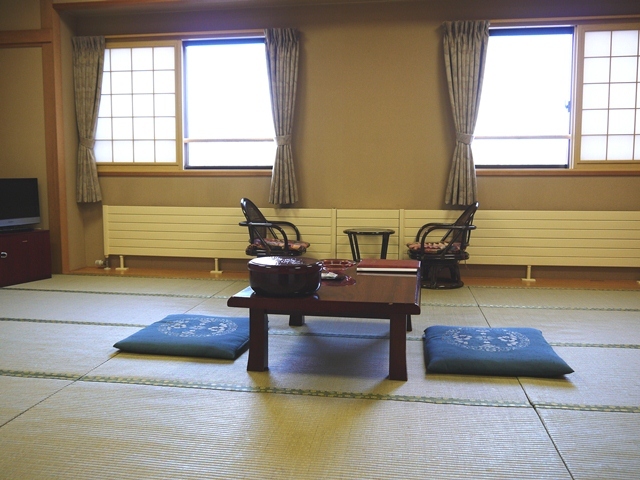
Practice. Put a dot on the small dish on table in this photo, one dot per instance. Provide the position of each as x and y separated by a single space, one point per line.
335 268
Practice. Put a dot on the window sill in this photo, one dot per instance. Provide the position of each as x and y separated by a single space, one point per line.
186 173
540 172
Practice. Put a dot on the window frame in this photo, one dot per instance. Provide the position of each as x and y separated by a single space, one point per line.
153 166
178 168
187 140
575 167
537 30
600 165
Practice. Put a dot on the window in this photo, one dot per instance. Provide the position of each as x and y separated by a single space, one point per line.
527 115
524 115
192 104
609 123
137 117
228 119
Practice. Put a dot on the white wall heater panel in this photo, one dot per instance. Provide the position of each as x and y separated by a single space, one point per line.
502 237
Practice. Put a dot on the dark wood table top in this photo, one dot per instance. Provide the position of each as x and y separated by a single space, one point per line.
369 231
371 296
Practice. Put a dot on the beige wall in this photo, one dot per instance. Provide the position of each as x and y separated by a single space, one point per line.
19 15
22 152
373 127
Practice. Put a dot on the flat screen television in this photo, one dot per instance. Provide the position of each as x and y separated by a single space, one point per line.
19 203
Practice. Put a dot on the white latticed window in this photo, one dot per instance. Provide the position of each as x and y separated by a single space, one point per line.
137 118
610 121
539 110
186 104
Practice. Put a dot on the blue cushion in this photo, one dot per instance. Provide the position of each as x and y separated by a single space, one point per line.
191 336
513 352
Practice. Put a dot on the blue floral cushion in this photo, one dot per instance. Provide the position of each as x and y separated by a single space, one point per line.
191 336
514 352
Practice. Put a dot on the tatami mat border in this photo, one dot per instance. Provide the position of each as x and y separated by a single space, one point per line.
588 408
424 303
72 322
299 391
204 279
430 304
594 345
102 292
277 390
44 375
320 393
553 307
532 307
218 279
526 287
440 304
413 338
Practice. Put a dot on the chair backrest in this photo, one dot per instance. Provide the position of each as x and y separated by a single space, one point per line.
466 219
253 214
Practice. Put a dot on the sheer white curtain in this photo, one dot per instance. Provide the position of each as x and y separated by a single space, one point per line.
465 53
88 62
282 48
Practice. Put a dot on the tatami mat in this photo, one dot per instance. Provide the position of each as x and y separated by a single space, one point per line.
18 395
61 350
135 285
91 307
596 445
604 378
323 365
594 327
557 298
454 316
430 315
457 296
93 431
72 406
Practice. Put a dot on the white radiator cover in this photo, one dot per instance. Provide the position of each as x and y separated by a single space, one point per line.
502 237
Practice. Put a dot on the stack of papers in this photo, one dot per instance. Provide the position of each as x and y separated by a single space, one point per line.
376 265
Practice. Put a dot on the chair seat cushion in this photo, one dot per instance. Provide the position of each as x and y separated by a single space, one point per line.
191 336
431 247
513 352
277 246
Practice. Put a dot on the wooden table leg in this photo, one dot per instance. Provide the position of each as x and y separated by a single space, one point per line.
385 245
355 248
296 320
398 347
258 340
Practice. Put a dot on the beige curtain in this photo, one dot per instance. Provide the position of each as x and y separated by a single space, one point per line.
465 53
282 50
88 62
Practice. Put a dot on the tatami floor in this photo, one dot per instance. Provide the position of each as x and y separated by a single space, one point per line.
73 407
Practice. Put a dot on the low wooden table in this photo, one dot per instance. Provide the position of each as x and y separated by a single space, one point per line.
394 296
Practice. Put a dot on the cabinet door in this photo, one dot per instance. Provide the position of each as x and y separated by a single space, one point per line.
38 255
12 252
24 257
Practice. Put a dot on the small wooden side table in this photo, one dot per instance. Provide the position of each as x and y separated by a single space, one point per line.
353 239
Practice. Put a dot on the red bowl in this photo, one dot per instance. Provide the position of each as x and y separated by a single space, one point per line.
284 276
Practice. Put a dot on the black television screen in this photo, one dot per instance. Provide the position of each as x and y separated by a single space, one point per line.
19 203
